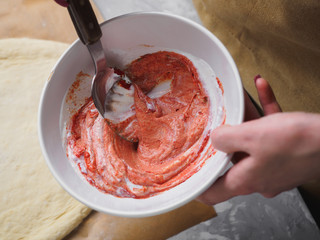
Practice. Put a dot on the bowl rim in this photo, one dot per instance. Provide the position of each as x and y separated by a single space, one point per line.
192 194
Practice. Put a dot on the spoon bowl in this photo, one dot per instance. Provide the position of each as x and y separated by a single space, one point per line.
111 92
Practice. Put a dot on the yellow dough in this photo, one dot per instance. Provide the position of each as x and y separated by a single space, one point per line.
32 204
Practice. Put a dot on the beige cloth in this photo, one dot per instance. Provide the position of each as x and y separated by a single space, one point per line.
279 39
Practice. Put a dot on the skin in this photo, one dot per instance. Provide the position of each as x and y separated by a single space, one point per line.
272 154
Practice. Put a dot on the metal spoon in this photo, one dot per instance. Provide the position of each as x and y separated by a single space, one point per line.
112 93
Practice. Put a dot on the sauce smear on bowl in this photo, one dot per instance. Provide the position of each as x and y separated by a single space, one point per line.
170 131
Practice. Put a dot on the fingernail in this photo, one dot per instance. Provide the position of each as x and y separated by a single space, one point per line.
257 77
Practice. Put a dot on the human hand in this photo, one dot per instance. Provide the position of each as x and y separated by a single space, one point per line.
272 154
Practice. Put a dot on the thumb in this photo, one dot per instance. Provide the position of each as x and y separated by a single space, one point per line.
218 192
231 184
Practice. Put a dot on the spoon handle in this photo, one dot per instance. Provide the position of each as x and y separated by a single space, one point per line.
84 21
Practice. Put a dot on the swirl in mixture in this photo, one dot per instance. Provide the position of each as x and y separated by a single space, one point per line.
170 132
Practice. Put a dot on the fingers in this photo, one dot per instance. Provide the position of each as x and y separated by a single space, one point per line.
230 139
239 139
266 96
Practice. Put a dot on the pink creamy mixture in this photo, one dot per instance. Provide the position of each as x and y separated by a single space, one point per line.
169 129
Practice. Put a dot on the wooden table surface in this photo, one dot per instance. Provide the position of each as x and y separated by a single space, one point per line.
40 19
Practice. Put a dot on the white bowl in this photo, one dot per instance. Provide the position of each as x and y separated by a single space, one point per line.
126 33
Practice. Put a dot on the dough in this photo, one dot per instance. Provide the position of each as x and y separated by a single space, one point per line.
32 205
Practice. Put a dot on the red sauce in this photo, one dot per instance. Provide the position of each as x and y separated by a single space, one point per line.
172 144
